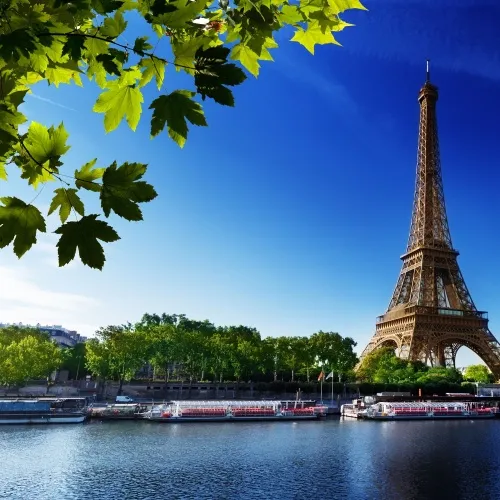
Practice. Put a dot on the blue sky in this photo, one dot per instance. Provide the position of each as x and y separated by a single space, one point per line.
290 211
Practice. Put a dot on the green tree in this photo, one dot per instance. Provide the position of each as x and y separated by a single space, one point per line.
477 373
220 359
29 357
74 360
378 366
440 374
334 352
58 42
117 352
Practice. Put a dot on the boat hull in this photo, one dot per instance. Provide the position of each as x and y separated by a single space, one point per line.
432 417
276 418
42 419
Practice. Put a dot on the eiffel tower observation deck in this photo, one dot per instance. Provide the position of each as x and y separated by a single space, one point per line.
431 313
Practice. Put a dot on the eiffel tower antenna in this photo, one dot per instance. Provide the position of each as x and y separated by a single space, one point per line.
431 313
428 71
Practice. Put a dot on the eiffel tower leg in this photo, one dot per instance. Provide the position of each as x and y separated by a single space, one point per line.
450 354
441 357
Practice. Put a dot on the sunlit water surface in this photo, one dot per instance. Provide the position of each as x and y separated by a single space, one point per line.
275 460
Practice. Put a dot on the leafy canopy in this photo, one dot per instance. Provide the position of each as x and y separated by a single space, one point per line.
61 42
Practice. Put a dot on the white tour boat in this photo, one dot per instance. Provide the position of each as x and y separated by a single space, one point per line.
427 411
231 411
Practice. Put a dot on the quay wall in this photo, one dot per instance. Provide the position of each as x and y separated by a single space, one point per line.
160 391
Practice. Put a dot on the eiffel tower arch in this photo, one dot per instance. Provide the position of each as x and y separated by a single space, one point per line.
431 313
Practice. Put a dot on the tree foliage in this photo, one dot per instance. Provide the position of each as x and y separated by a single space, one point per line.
382 366
478 373
196 350
60 42
26 353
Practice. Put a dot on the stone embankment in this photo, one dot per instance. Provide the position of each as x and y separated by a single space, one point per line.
158 391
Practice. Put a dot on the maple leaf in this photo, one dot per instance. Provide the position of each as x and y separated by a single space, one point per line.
247 57
86 176
313 35
152 68
173 110
142 45
121 99
213 72
19 222
84 235
122 191
66 199
186 11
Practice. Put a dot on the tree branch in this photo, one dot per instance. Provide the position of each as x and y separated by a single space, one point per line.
126 47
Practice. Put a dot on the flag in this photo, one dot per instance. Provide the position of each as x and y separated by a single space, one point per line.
330 375
321 376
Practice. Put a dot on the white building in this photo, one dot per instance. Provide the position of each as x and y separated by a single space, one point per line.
62 336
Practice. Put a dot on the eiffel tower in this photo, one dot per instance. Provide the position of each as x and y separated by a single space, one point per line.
431 313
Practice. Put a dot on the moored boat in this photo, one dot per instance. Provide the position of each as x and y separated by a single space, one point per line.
43 411
231 411
118 411
428 411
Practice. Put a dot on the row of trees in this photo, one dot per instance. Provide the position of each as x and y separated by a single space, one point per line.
176 346
384 367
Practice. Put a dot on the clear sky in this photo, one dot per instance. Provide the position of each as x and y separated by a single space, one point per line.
290 211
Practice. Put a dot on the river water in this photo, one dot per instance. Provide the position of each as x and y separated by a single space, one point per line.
332 459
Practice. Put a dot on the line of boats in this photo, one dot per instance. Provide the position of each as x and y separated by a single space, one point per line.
77 410
419 410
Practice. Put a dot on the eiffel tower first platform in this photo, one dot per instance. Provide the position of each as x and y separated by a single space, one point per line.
431 313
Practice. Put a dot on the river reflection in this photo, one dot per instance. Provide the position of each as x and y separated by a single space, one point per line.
335 459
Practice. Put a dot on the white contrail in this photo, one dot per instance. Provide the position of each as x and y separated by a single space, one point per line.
50 101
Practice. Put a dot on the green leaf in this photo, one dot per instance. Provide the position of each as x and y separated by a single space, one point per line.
74 46
84 235
108 63
19 222
186 12
313 35
58 73
10 119
158 29
173 110
122 190
106 6
213 71
154 68
87 175
39 157
184 53
291 14
141 45
340 6
3 171
39 61
121 99
45 145
247 57
16 43
113 26
66 199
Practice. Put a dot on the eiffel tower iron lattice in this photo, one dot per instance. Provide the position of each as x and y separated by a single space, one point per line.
431 313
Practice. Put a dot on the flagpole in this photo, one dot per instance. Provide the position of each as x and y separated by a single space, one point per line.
332 388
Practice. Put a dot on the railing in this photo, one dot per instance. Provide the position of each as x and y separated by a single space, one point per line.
442 311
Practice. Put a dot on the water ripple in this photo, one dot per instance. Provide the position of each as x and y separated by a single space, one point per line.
281 460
